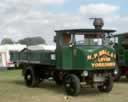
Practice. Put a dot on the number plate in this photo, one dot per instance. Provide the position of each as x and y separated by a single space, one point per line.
98 78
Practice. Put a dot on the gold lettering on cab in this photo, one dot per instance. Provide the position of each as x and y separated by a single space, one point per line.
103 58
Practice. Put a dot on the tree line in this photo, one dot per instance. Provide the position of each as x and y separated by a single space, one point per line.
27 41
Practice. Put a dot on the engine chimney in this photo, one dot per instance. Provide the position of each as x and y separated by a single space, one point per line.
98 23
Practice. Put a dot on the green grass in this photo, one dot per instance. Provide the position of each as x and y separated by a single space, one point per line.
12 89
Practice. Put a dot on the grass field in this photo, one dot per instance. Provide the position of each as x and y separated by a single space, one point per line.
12 89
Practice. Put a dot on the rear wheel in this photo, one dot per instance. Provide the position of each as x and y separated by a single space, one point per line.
30 77
107 85
72 84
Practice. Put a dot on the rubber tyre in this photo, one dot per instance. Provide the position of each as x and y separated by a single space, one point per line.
72 85
30 77
116 77
107 85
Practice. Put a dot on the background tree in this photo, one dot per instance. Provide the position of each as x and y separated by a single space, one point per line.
7 41
32 41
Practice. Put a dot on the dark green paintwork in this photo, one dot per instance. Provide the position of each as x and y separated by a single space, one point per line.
67 57
35 57
122 52
74 58
15 55
78 60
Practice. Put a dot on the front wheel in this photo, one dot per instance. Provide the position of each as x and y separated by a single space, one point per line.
107 85
72 84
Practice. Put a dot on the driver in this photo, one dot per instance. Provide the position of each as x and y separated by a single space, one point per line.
67 38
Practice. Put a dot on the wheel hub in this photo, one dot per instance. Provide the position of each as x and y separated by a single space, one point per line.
29 77
68 85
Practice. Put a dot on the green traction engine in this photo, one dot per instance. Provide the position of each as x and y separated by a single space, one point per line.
121 47
83 57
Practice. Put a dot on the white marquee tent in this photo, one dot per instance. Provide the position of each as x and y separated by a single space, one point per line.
5 54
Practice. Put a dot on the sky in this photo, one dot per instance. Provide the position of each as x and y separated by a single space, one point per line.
30 18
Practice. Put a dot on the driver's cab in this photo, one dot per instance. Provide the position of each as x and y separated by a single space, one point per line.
67 42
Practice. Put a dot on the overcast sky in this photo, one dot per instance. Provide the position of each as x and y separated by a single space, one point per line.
28 18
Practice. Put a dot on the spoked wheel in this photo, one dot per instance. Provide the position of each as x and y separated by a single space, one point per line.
72 84
116 74
107 85
30 78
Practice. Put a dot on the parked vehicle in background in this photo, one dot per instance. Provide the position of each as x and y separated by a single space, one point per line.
81 57
5 62
121 47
